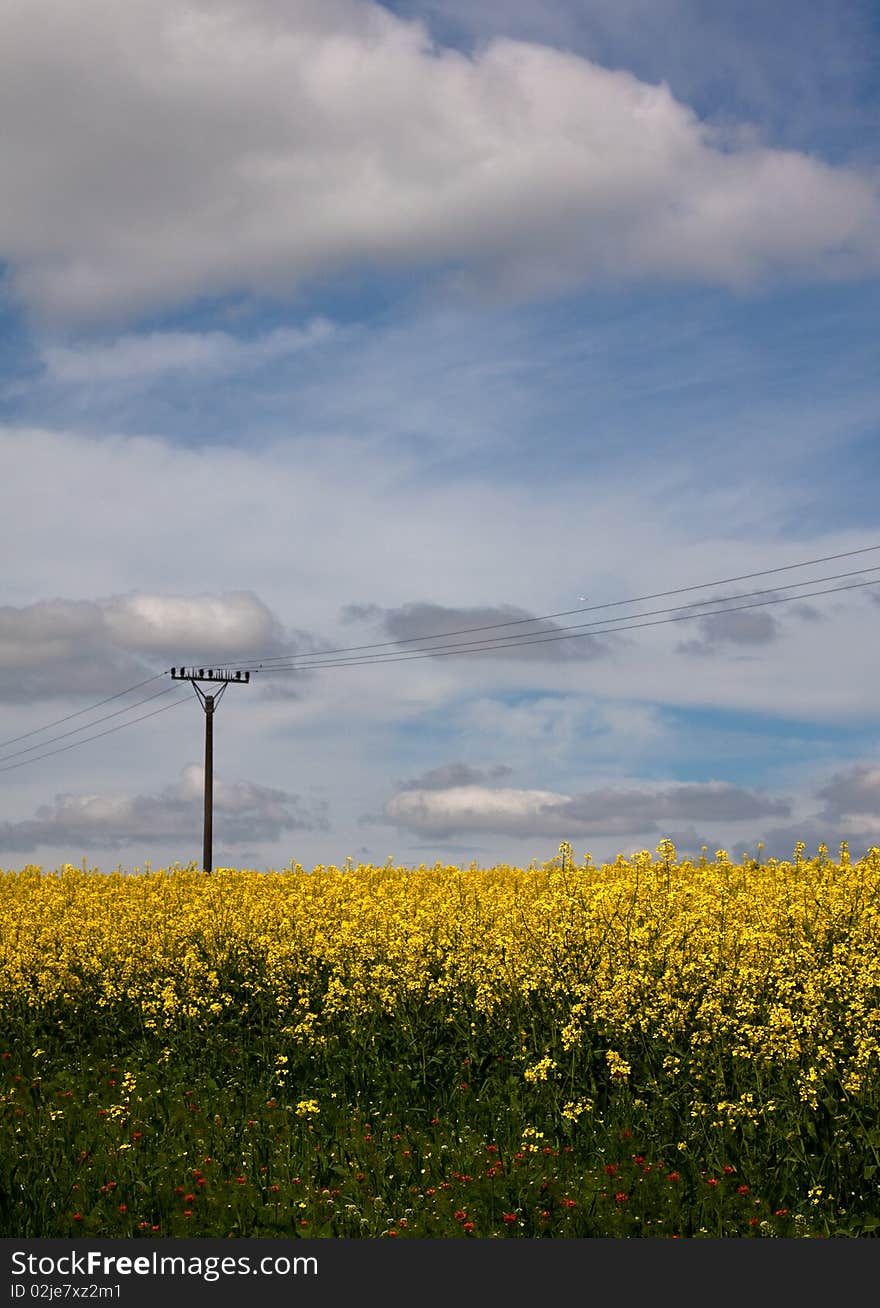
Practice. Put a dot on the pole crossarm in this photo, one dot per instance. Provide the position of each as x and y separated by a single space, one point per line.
209 674
221 677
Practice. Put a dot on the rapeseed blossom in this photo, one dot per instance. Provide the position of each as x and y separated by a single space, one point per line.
654 964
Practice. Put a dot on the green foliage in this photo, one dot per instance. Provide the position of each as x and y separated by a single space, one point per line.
449 1142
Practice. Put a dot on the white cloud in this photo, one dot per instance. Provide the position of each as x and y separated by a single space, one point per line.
162 149
243 812
605 812
62 647
152 355
476 808
230 624
637 813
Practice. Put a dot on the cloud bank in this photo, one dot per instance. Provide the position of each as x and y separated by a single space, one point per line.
504 631
606 811
252 148
244 813
455 800
56 648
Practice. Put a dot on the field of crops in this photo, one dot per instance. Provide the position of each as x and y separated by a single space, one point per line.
653 1047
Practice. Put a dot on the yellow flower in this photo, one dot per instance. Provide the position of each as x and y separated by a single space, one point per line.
540 1070
576 1109
617 1066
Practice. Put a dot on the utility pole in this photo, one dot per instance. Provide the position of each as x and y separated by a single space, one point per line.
209 704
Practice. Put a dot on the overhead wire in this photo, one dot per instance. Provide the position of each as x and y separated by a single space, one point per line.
119 727
393 653
75 730
264 660
13 740
499 643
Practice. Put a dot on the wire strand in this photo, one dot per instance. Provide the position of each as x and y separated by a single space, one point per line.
475 647
70 716
701 604
64 748
294 662
106 718
565 613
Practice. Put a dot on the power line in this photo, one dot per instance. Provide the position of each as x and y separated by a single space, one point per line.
106 718
490 645
468 648
295 663
547 617
565 613
176 704
502 642
79 713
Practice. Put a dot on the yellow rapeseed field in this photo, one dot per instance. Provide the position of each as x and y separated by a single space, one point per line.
652 1046
663 963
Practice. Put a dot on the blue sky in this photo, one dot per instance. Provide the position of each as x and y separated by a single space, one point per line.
326 324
